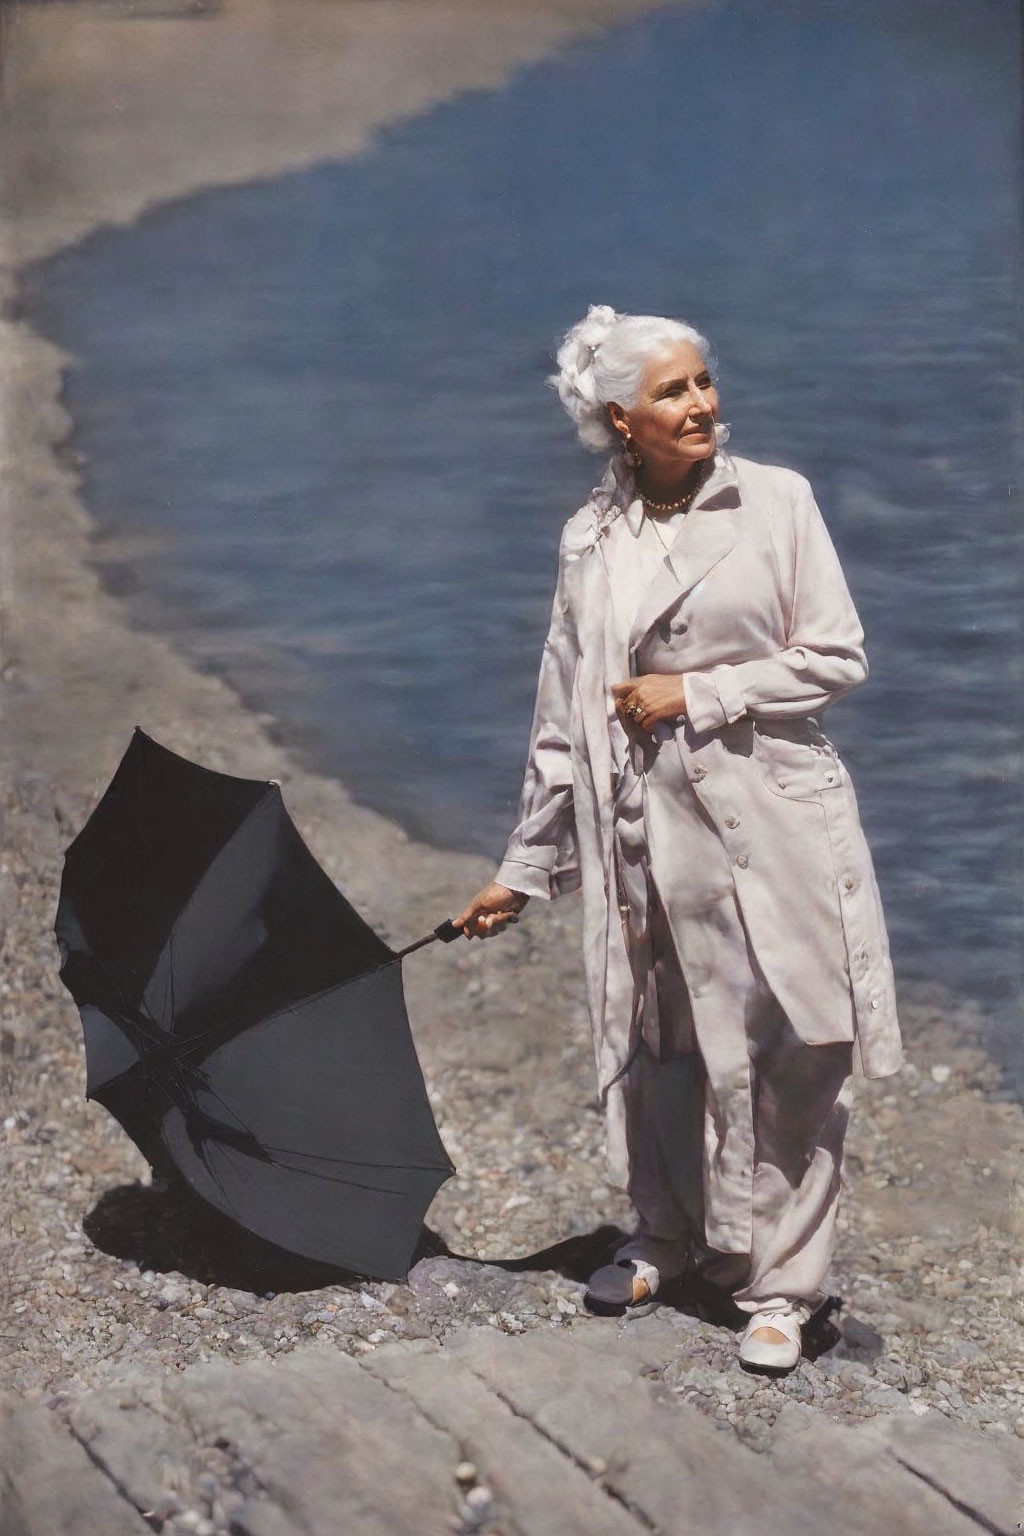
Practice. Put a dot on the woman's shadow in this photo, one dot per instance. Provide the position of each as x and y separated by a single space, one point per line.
164 1227
577 1257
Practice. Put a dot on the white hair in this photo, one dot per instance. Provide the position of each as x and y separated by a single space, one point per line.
603 359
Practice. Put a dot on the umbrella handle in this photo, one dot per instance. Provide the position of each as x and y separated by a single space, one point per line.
446 932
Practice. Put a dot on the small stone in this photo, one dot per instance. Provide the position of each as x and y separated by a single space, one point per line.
941 1073
479 1498
465 1473
167 1506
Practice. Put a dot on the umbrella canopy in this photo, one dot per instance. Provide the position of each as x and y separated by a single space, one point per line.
241 1020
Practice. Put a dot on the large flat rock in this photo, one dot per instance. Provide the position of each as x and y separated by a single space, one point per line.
663 1458
535 1485
569 1431
982 1474
49 1486
312 1443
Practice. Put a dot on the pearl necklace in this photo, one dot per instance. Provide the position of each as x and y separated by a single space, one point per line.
674 506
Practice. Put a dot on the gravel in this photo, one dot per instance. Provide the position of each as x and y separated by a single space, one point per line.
102 1272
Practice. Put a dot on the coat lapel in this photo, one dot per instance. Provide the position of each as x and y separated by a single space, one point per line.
708 533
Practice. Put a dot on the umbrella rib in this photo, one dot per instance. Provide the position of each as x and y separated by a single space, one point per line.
328 1178
154 1035
136 1020
184 1074
352 1162
208 1165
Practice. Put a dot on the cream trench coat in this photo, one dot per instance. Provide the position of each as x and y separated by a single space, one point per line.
751 605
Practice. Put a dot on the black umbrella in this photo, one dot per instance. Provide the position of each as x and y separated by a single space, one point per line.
242 1021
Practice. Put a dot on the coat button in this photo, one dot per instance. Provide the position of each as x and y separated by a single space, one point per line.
732 821
830 778
699 772
742 860
849 883
782 783
875 1003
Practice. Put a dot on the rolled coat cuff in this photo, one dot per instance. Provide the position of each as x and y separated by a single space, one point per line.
712 699
534 880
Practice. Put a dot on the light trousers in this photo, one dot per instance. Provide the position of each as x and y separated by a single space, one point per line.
735 1126
800 1098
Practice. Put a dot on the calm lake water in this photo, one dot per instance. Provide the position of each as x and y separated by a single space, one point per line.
316 408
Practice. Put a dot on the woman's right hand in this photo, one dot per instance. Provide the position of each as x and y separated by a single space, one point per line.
489 911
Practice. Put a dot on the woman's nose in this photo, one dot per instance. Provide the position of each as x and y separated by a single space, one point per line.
699 402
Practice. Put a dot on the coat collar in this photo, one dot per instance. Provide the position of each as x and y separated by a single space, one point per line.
706 535
624 492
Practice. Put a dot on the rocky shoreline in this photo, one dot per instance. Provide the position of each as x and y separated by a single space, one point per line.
103 1273
112 1290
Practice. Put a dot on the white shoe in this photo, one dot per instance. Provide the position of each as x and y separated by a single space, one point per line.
759 1352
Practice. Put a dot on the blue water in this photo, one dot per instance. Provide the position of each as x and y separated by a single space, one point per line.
324 394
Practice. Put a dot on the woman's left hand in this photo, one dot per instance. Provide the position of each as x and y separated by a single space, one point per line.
643 701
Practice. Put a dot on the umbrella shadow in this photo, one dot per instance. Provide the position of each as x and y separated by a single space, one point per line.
170 1229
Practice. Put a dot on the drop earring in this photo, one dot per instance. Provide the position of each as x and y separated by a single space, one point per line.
632 452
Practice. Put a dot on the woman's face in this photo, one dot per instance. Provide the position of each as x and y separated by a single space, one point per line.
673 422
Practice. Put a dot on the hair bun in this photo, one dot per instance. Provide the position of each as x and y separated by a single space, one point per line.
575 382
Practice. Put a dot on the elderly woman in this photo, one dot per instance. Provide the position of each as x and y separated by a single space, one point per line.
735 950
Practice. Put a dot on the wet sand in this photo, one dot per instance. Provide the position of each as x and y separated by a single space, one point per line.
108 113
